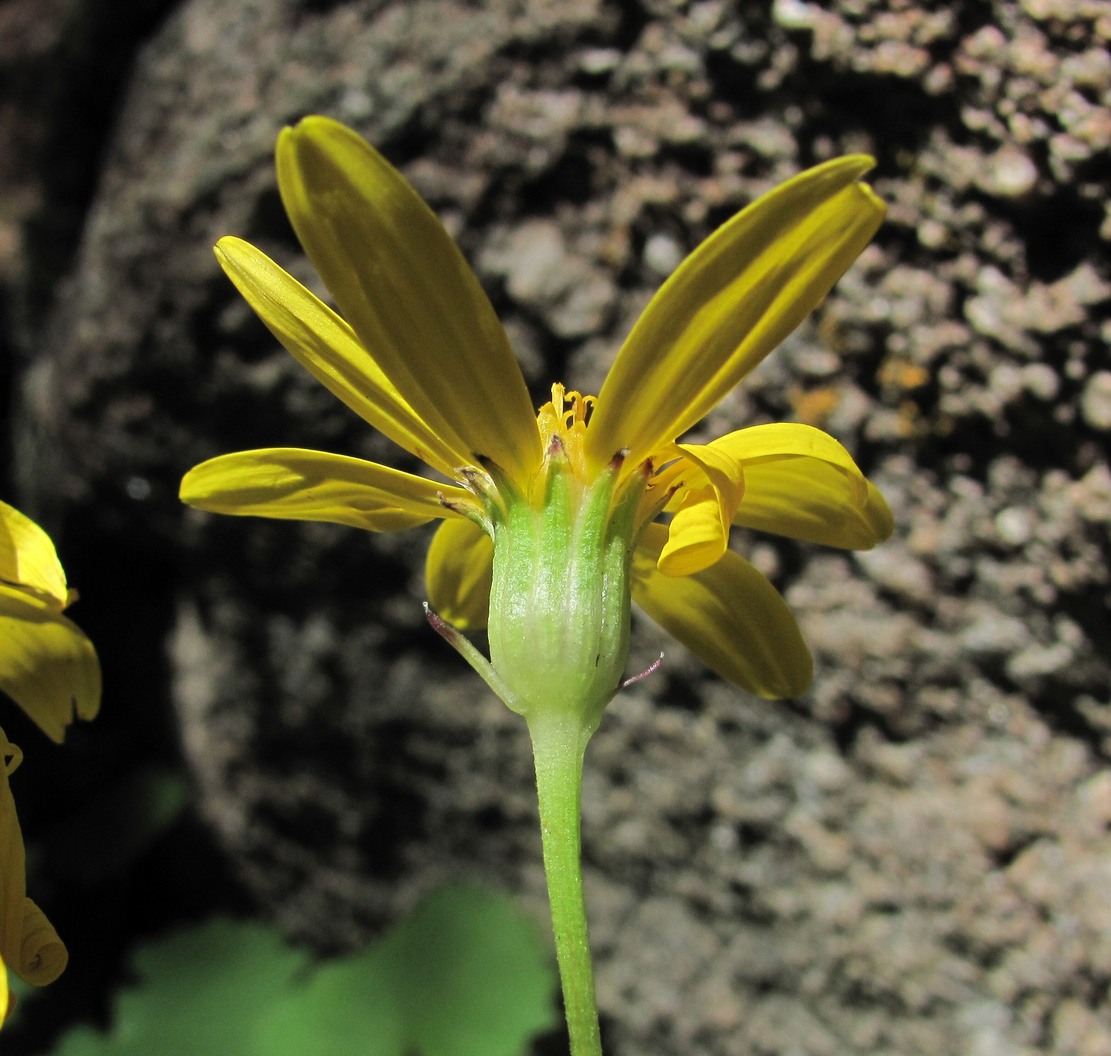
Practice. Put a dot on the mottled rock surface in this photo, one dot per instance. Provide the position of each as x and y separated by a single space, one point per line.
916 857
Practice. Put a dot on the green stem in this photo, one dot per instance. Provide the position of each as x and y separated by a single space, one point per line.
558 744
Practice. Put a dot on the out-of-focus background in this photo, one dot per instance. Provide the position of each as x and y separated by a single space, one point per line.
914 858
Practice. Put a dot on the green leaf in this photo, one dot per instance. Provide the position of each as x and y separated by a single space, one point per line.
205 990
465 975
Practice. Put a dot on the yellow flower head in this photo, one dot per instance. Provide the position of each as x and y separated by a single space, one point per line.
47 665
50 669
550 519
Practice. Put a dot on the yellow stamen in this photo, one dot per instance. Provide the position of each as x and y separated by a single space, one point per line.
563 422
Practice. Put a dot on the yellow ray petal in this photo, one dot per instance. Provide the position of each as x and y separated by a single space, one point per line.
404 287
47 665
292 484
730 616
801 483
327 347
812 501
736 297
458 573
696 536
28 557
699 532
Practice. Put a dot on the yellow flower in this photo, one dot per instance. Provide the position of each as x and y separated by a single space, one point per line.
50 669
47 665
28 941
572 493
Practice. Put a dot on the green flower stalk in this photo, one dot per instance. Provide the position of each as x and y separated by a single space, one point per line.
556 522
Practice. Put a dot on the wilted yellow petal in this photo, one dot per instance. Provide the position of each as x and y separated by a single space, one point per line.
28 942
736 297
729 616
327 347
13 860
42 954
297 485
28 557
402 284
458 573
47 665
